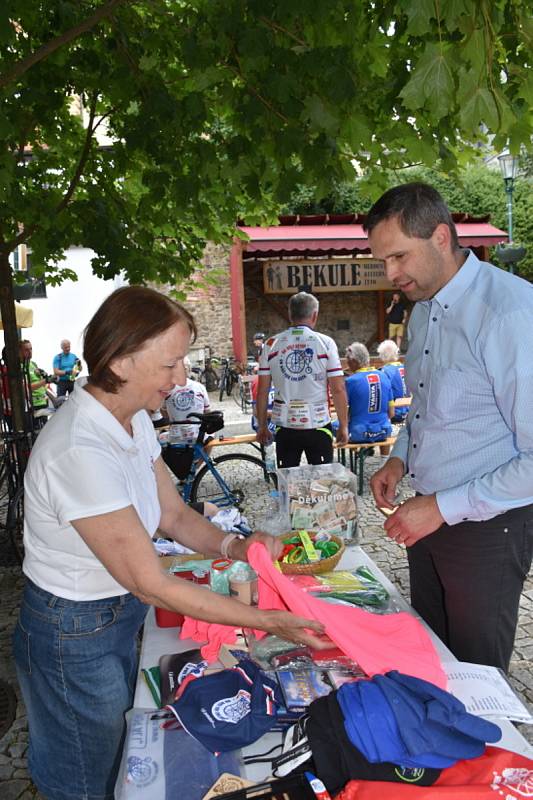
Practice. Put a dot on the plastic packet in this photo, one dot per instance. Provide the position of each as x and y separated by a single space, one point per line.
320 497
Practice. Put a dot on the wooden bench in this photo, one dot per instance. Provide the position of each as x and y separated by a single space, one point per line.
244 438
402 401
358 453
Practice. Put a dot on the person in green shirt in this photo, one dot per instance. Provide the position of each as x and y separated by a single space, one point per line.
37 376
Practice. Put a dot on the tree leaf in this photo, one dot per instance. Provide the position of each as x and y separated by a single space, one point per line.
479 108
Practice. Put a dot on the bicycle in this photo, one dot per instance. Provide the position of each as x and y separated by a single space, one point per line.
229 378
232 479
243 396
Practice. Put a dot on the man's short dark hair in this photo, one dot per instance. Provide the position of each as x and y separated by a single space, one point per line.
418 207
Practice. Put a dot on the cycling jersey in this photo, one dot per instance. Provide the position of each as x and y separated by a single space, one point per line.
183 400
369 396
299 362
395 371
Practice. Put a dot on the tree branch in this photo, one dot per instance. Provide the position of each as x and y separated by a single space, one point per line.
50 47
83 157
238 71
280 29
25 234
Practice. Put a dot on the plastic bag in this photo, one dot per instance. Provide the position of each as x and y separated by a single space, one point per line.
158 761
358 587
320 497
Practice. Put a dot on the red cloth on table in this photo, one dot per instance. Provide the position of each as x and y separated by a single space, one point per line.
495 775
210 632
378 643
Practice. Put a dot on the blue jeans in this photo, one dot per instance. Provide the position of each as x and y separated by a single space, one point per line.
76 666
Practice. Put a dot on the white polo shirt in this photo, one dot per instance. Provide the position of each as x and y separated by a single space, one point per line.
83 464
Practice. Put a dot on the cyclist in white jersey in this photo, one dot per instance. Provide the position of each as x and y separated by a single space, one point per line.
187 397
301 364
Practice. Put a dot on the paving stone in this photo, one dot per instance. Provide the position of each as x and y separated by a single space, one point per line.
12 790
6 771
21 772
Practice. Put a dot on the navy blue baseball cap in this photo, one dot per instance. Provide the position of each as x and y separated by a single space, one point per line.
228 709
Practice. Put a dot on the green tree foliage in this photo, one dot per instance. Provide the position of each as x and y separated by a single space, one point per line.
215 109
476 190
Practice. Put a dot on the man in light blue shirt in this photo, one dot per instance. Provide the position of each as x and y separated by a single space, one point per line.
65 364
468 442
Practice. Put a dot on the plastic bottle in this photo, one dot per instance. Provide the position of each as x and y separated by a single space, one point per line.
270 457
273 522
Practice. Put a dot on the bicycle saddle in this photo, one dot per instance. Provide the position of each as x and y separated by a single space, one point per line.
211 422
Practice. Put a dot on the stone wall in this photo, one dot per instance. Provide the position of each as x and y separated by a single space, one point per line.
210 303
345 316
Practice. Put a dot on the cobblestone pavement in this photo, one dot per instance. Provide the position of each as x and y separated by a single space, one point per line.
15 783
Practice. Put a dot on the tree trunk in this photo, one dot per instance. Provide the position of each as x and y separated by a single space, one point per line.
9 322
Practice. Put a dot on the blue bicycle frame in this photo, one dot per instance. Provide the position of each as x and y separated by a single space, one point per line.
199 454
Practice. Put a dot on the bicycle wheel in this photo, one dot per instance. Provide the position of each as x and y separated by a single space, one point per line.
223 384
236 393
230 384
15 523
248 484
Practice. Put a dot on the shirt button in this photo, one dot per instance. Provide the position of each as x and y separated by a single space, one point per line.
465 519
445 306
417 416
506 530
421 385
412 474
434 319
426 352
414 445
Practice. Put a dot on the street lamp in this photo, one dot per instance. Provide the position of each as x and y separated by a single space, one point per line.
509 167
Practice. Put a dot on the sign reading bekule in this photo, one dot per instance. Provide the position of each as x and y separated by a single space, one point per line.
324 275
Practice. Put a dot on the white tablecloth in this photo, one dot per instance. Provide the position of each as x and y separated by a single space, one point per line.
159 641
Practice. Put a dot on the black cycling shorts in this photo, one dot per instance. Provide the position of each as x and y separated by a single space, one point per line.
316 443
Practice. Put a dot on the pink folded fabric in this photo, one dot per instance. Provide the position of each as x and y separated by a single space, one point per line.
213 634
378 643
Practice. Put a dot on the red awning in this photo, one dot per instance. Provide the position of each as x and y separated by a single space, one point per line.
286 240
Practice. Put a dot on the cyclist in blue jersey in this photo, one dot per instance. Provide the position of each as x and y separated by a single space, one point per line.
370 398
389 354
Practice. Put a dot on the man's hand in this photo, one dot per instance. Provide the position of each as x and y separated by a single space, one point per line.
383 483
414 519
263 434
342 435
238 549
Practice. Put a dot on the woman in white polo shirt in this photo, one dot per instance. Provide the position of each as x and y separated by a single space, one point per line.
96 490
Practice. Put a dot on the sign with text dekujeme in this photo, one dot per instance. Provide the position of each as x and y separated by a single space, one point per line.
324 275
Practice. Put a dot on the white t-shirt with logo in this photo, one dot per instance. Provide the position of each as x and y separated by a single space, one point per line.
300 361
84 463
183 400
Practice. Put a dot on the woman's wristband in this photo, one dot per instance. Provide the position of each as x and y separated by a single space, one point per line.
226 542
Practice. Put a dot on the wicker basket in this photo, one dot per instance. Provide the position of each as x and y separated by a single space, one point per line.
316 567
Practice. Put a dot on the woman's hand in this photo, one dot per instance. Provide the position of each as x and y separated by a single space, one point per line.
238 549
296 629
